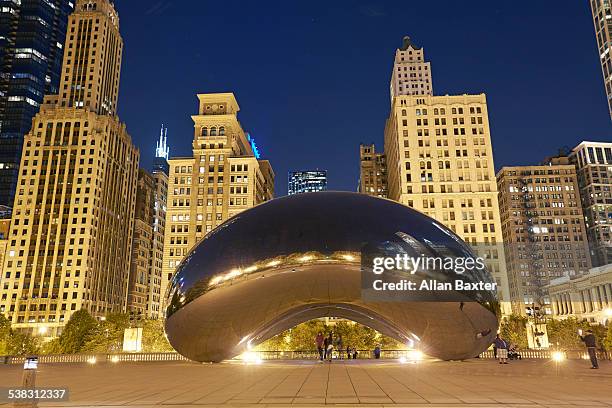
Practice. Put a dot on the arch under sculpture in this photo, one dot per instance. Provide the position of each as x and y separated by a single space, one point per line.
297 258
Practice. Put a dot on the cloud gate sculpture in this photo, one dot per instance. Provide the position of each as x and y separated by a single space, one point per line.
307 256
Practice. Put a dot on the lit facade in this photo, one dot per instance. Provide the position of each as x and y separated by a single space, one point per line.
440 162
5 226
543 230
307 181
411 73
593 161
602 21
142 245
222 178
32 36
144 294
73 214
587 297
372 171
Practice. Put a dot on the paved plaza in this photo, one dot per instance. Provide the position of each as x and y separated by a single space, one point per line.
479 383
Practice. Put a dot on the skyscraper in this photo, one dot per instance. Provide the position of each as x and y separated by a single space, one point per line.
602 20
372 171
32 36
440 162
543 229
73 219
593 161
223 177
307 181
145 291
411 74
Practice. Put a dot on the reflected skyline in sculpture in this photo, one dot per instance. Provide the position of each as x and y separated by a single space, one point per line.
298 258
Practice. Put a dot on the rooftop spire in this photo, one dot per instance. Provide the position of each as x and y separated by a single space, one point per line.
407 42
162 149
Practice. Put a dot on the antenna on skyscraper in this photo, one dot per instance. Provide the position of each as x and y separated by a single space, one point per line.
161 148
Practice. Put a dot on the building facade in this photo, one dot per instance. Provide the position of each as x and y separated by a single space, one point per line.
543 230
145 294
223 178
587 297
142 246
307 181
372 171
71 230
593 161
602 20
440 162
32 36
411 74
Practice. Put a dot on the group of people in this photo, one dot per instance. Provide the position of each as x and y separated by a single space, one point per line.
326 346
501 348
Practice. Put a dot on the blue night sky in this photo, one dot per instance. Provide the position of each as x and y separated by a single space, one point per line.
312 77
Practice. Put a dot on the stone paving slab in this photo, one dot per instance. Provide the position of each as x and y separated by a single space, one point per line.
435 384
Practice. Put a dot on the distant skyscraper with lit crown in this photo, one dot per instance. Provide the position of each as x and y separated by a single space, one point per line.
307 181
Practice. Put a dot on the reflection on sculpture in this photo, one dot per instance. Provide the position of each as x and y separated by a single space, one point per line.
298 258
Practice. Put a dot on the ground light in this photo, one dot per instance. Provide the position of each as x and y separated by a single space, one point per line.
558 356
114 359
250 357
412 356
91 360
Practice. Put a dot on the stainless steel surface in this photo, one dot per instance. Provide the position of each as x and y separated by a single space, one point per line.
298 258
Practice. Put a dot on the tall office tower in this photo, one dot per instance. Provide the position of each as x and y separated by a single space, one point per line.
144 292
307 181
73 218
160 173
372 171
543 229
142 245
5 226
32 35
440 162
223 177
594 163
602 20
411 74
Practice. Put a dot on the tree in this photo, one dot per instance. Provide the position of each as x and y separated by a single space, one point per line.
21 344
5 332
51 347
153 338
563 334
77 331
302 337
514 330
107 335
608 340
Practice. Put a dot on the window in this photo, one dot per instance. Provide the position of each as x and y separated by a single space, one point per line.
204 131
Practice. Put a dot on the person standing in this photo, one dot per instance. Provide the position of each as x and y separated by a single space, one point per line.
330 347
591 344
502 349
340 347
320 340
325 344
